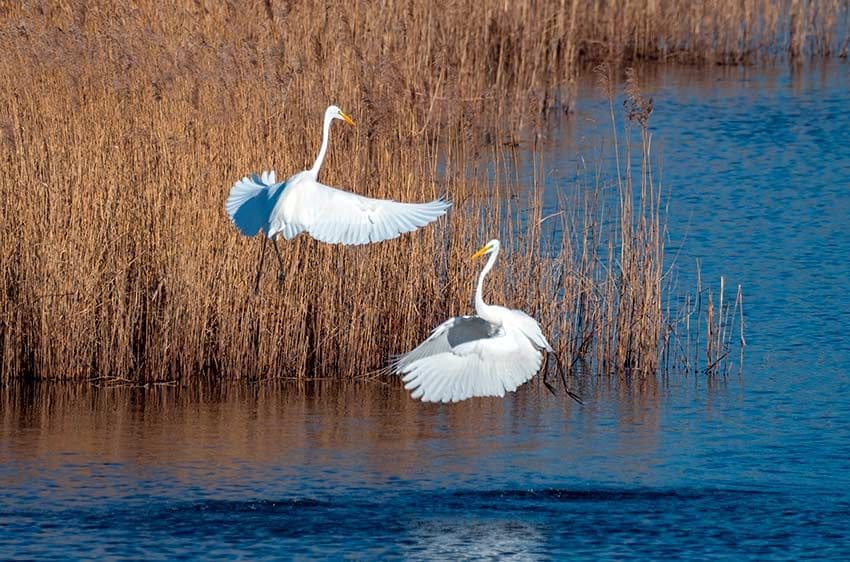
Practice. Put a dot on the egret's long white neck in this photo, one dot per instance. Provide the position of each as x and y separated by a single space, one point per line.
322 151
483 309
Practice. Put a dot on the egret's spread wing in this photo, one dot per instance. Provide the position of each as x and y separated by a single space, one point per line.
339 217
466 357
251 201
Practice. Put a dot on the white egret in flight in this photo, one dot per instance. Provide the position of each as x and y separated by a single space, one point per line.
303 204
488 354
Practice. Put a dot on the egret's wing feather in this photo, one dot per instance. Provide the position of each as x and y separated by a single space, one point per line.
444 337
529 326
448 377
339 217
466 357
251 201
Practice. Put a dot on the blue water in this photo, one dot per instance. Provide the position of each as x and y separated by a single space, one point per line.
758 467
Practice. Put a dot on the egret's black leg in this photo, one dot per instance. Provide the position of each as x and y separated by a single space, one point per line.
260 268
546 382
280 274
561 372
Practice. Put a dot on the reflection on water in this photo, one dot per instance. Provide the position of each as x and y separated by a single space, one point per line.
309 423
360 469
459 539
755 468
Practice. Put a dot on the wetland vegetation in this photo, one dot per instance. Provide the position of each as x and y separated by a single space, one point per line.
124 125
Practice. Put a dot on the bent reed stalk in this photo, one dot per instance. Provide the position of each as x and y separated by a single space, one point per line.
123 126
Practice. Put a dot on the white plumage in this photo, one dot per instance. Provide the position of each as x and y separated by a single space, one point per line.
467 356
303 204
484 355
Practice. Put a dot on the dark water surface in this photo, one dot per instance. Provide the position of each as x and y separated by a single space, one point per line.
758 163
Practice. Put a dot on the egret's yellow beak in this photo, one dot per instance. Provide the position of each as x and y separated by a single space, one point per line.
481 251
346 118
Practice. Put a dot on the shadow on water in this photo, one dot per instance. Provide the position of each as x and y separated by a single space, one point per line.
500 523
609 494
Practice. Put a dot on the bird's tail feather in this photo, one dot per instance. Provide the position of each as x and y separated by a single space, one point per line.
248 204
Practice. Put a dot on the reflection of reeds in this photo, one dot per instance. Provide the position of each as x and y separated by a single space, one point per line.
272 425
119 144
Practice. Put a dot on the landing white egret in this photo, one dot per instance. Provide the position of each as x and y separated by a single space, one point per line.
303 204
487 354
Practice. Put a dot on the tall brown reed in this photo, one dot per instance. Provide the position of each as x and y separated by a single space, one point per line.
122 127
717 31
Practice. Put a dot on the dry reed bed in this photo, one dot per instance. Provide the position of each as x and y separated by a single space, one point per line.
123 125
